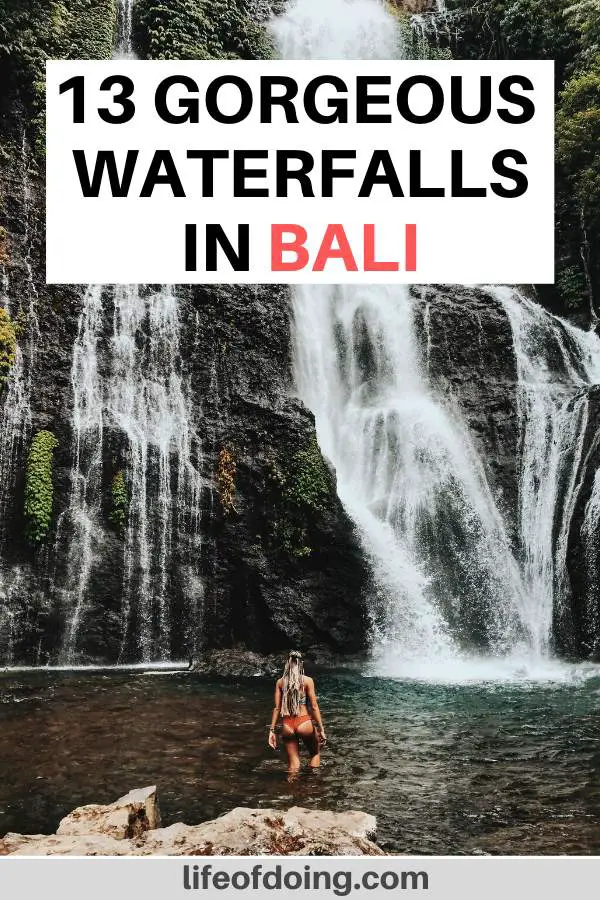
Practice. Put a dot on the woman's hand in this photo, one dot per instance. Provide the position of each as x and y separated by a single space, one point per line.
272 740
323 736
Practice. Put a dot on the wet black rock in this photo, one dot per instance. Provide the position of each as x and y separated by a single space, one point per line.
467 344
577 618
264 574
240 663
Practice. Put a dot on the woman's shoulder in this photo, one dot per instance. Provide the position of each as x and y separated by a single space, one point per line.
308 681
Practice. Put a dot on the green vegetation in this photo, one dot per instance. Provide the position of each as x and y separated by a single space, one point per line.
413 43
4 246
510 29
308 483
8 346
578 158
199 29
304 488
39 488
32 32
569 33
119 502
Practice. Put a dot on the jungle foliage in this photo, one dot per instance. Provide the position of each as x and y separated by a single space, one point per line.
198 29
569 33
119 502
32 31
39 487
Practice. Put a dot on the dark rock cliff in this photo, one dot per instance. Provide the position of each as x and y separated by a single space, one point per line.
267 571
130 560
577 619
271 567
134 558
470 358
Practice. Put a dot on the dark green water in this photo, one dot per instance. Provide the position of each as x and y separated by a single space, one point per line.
445 768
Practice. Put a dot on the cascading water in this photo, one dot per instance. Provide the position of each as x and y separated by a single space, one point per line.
408 474
430 23
123 45
556 364
16 416
589 532
78 525
448 578
133 388
147 402
15 425
336 29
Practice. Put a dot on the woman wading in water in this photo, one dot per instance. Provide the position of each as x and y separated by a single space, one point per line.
294 695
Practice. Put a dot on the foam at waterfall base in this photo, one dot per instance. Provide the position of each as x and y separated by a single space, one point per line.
516 670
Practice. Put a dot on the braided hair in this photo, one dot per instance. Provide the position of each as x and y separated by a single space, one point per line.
292 688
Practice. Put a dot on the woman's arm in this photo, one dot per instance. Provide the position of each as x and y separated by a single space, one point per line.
275 715
314 705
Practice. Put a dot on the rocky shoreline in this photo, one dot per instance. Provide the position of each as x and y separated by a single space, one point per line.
131 826
241 663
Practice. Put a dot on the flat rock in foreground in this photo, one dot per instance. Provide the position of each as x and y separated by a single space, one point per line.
130 827
128 817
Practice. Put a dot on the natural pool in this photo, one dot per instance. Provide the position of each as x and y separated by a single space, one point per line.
499 767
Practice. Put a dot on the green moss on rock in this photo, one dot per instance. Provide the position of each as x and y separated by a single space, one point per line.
309 479
199 29
119 502
8 346
39 487
32 32
303 490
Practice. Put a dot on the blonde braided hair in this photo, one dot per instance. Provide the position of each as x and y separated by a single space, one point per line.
292 686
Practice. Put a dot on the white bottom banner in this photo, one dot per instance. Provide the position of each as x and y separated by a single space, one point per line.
446 878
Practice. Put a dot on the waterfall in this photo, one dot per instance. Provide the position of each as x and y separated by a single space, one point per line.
20 302
16 422
556 364
146 400
78 527
16 414
589 533
428 24
448 579
408 474
129 384
14 425
123 45
336 29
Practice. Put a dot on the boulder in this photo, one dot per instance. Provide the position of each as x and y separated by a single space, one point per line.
72 845
130 827
128 817
237 663
12 842
240 663
265 832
